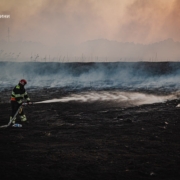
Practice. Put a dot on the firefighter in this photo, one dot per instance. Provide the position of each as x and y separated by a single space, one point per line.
18 94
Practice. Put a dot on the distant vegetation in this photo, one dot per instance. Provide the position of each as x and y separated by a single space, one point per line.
100 50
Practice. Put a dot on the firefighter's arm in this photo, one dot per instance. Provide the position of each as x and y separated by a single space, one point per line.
26 97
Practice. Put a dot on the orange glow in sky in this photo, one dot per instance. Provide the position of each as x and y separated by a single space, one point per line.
75 21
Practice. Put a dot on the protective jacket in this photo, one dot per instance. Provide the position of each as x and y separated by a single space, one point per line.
19 93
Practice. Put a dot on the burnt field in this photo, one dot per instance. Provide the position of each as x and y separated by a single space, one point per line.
90 140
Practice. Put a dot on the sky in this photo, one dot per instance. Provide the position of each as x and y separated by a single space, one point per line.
54 22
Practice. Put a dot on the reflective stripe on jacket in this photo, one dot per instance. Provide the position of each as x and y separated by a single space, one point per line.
19 93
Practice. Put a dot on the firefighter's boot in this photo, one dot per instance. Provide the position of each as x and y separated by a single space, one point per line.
23 118
13 121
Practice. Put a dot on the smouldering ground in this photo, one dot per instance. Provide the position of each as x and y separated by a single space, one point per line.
75 140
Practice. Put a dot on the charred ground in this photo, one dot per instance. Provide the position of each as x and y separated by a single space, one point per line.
91 141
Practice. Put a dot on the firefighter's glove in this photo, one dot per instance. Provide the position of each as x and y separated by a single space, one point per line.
29 102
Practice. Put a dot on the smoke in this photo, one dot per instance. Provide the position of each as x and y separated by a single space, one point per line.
93 76
73 21
172 23
119 83
150 21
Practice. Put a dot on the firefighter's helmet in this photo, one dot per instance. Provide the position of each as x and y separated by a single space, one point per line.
23 82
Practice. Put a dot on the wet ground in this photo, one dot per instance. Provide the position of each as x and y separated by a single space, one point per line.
100 140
